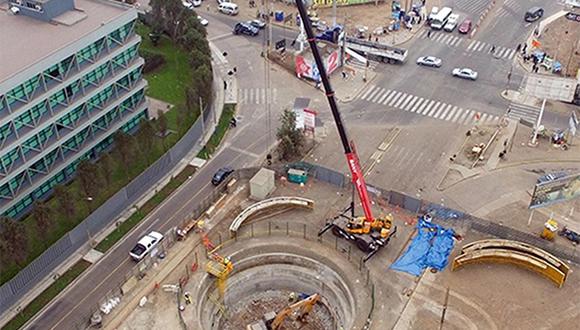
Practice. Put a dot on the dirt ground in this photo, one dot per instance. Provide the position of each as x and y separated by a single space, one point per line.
485 296
245 312
561 39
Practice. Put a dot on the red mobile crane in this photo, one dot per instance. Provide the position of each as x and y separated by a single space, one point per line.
369 233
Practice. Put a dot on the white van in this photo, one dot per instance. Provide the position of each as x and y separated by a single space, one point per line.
228 8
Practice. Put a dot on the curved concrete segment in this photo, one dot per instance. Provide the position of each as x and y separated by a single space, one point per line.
515 253
262 266
266 204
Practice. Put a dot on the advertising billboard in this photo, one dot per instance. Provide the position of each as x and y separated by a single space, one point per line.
556 191
306 68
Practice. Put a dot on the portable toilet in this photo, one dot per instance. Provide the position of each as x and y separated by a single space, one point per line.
297 176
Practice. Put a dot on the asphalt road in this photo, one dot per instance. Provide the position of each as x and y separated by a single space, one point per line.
396 97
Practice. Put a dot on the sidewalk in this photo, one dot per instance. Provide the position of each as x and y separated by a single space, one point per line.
219 100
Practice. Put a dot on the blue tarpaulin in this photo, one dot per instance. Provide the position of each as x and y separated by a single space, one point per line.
430 248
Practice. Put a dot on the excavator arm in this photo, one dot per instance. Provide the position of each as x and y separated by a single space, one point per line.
305 306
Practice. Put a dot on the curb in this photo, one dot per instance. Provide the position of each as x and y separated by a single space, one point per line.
482 18
353 96
176 170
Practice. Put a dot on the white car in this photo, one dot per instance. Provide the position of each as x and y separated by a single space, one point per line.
202 21
145 245
452 22
257 23
465 73
429 61
187 4
196 3
434 12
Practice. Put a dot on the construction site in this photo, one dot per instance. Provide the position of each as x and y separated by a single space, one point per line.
266 262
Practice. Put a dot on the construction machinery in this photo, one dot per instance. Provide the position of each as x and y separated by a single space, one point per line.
370 234
299 310
218 266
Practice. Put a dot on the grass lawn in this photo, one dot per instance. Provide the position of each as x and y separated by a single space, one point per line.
151 204
167 83
47 295
219 133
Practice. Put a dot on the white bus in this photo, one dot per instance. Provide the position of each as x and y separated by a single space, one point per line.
440 19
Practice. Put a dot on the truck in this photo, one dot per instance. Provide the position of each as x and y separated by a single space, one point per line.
376 51
369 233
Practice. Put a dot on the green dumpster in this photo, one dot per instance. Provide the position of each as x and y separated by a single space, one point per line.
297 176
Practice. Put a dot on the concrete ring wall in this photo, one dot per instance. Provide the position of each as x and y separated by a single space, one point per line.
280 267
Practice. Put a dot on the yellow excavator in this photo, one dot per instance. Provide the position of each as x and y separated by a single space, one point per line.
300 309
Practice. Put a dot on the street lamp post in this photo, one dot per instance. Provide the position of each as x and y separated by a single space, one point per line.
537 129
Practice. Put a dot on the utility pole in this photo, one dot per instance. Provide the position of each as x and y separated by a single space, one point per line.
536 130
333 13
202 119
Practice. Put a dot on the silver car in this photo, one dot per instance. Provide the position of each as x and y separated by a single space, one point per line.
465 73
429 61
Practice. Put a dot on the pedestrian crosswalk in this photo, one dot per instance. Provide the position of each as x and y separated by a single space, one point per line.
480 46
510 8
361 66
474 7
257 95
441 37
427 107
525 112
453 40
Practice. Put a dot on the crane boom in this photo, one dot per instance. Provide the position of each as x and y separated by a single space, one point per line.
351 156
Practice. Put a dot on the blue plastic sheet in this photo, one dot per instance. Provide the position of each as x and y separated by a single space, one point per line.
430 248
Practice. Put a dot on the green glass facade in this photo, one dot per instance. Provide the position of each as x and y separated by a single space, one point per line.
68 112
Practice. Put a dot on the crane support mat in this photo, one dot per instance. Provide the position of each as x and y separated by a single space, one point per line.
431 247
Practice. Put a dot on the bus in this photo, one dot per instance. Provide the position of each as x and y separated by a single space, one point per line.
440 19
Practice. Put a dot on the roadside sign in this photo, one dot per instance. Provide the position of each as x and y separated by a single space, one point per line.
281 44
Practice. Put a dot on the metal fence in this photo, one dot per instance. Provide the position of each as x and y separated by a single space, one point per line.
49 260
444 214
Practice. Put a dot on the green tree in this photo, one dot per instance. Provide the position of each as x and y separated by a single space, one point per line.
146 138
199 58
291 138
124 149
161 123
42 215
65 201
88 173
202 82
106 167
13 242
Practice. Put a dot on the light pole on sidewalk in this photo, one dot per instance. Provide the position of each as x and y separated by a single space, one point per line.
537 128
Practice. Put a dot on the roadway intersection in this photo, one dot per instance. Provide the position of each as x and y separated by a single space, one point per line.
430 106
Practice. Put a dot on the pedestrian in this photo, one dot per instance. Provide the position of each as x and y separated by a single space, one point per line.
537 69
208 7
376 39
492 49
543 57
370 37
225 85
235 70
518 48
293 43
524 48
429 34
419 22
343 75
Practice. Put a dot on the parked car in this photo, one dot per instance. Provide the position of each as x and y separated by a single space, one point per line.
257 23
222 1
145 245
221 175
451 23
465 26
202 21
465 73
430 61
534 14
228 8
434 12
551 177
187 4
